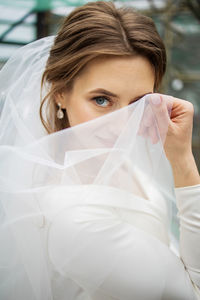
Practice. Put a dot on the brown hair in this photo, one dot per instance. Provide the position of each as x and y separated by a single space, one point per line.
92 30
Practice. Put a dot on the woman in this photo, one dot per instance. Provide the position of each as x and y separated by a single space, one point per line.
86 199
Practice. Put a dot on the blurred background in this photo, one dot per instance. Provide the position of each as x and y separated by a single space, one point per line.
178 22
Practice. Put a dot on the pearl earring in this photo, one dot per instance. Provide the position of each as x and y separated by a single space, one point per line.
60 113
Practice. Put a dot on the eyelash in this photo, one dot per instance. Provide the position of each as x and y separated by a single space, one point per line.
102 97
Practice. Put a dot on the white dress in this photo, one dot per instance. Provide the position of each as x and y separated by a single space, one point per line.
126 246
77 220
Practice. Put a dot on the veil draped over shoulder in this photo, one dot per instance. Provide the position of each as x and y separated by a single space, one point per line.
63 196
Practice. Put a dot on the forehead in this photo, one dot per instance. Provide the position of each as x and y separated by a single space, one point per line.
122 63
116 72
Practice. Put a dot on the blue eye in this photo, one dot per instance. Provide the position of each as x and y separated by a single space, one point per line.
101 101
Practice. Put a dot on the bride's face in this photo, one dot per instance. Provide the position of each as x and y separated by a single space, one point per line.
107 84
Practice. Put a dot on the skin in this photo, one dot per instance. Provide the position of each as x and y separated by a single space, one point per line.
109 74
128 79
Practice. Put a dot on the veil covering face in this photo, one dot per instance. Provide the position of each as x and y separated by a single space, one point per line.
63 195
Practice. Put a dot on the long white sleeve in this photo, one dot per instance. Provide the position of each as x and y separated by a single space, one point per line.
188 203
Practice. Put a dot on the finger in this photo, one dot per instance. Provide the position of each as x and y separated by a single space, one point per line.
147 120
169 100
143 132
181 107
160 109
153 134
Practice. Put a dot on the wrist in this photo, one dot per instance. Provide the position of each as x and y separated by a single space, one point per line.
185 171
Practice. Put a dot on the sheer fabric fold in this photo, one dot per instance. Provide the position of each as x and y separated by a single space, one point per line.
62 195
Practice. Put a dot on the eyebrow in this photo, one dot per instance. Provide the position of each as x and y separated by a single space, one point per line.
108 93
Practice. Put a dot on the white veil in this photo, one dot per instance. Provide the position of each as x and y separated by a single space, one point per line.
59 193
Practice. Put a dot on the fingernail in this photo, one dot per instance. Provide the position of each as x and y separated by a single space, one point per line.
156 100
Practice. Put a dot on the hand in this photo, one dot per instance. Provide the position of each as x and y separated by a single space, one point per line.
178 140
175 131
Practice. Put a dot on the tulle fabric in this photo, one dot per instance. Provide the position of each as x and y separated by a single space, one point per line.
61 194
